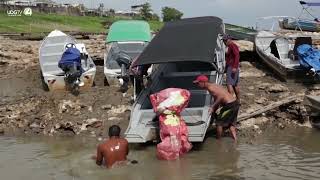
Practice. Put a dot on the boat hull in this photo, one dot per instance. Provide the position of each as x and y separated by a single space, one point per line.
50 52
314 103
290 72
285 74
300 25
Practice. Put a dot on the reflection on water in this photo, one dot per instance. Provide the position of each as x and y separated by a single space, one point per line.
287 154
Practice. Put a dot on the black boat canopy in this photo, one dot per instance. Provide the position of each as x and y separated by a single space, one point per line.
192 39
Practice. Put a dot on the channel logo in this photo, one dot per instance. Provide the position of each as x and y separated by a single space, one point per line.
27 12
13 12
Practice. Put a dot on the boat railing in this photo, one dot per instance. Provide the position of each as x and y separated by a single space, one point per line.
275 23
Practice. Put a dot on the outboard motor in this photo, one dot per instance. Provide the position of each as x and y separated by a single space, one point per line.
70 63
124 61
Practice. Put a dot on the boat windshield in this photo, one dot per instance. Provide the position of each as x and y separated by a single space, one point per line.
270 23
133 49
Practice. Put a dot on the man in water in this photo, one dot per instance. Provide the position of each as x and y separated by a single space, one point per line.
114 150
227 117
232 66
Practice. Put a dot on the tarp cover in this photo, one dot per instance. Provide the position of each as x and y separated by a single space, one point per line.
309 57
173 130
71 56
192 39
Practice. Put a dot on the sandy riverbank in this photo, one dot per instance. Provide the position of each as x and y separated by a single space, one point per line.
26 109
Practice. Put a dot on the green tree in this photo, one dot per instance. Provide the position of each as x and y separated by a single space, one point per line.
171 14
112 11
146 12
155 17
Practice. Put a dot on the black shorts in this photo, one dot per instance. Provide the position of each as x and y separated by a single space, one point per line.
228 114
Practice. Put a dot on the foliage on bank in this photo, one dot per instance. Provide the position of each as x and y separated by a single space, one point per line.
43 23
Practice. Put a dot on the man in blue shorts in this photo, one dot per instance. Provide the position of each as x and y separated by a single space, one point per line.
232 66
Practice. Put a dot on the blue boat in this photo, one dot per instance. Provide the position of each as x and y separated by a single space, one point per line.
299 24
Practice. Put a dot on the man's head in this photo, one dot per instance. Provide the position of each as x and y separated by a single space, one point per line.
114 130
201 81
226 39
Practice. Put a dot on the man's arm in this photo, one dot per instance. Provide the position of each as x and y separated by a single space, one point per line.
216 104
99 156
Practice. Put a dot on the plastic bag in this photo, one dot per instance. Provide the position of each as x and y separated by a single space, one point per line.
173 130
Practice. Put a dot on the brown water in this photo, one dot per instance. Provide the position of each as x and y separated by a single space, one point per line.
276 154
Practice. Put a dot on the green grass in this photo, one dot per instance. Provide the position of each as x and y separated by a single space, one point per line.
48 22
155 25
40 22
239 28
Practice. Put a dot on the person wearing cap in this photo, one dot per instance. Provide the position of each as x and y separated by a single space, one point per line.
232 66
227 117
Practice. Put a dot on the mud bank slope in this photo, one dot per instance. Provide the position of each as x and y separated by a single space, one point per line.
25 108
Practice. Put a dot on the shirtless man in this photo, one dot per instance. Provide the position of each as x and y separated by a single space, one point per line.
114 150
230 106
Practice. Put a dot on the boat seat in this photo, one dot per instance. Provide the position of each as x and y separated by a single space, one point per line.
282 48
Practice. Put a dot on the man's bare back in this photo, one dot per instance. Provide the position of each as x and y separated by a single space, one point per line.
220 93
113 150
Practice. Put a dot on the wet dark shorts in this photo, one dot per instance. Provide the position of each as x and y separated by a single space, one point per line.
232 80
228 115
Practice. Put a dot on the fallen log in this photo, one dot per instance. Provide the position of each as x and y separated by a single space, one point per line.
269 107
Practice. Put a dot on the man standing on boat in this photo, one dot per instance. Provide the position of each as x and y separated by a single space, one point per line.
232 66
227 116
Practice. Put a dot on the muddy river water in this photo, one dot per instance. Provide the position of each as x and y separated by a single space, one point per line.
292 153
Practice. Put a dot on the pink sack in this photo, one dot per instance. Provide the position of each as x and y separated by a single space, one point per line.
173 130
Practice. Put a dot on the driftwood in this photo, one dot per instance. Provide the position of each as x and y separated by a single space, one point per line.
269 107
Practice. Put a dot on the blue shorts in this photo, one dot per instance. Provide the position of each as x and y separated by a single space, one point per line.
232 81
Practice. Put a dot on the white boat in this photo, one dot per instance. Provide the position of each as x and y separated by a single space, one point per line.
181 51
314 103
279 51
125 36
50 53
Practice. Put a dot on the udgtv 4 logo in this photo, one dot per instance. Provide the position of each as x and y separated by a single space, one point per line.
26 12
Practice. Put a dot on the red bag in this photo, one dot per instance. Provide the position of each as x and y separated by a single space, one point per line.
173 130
